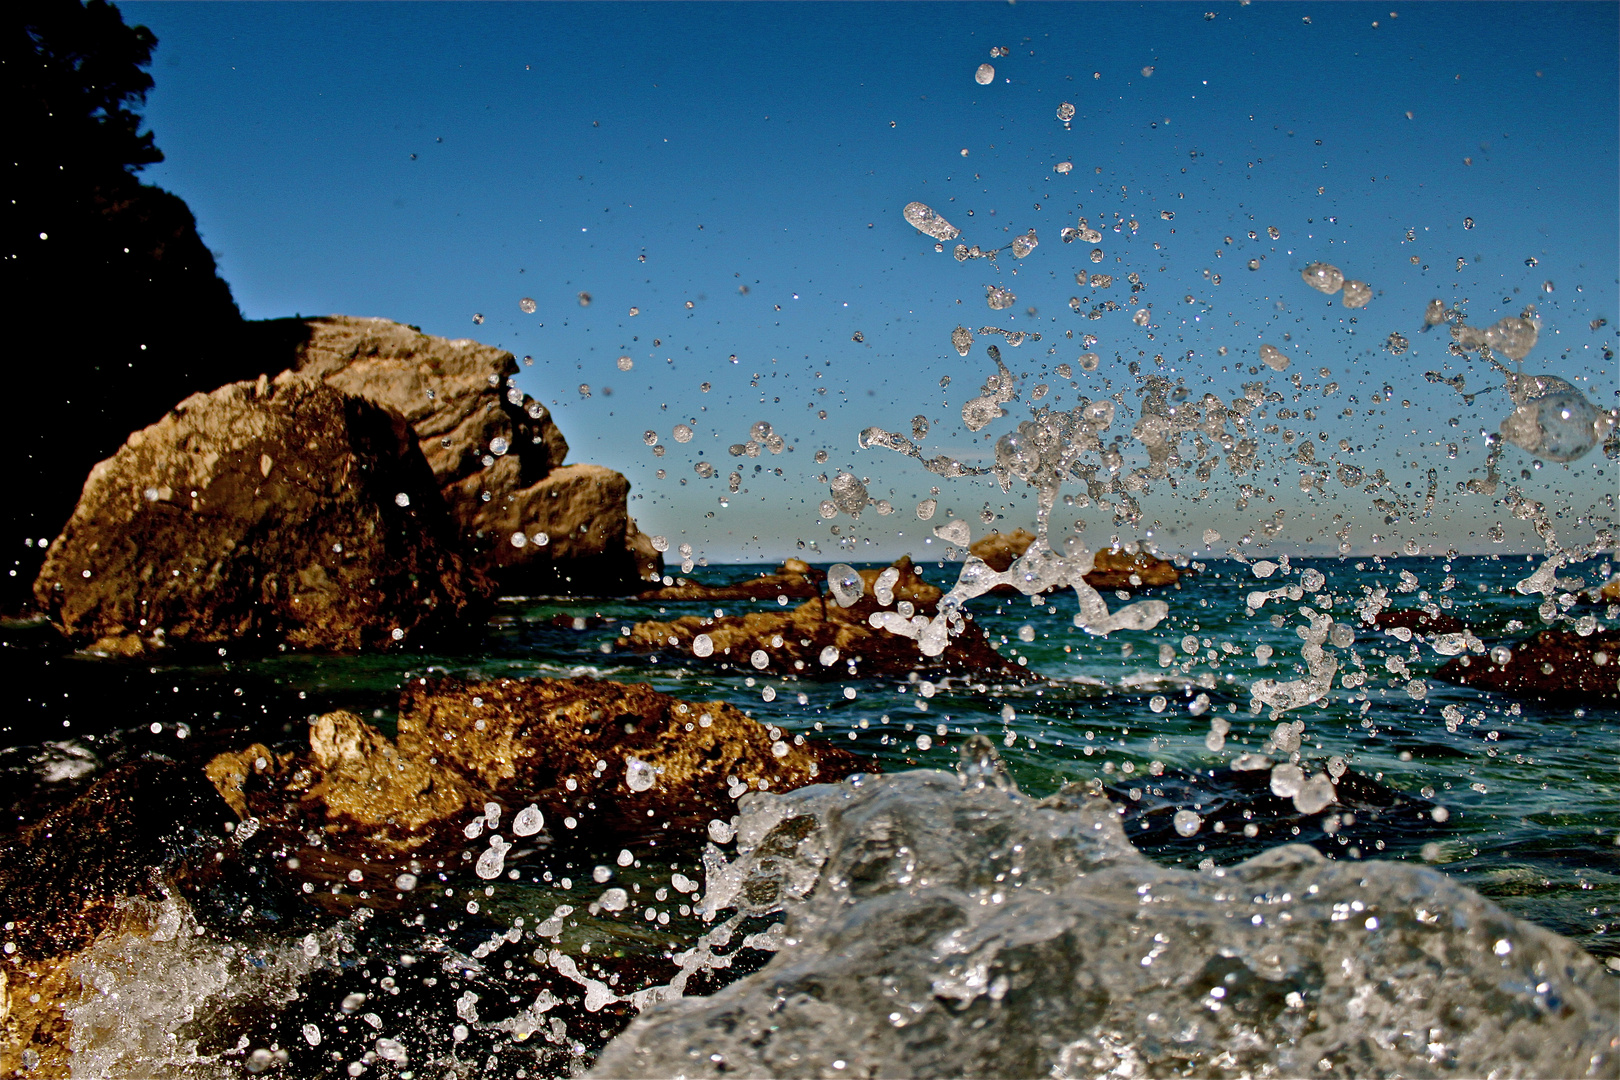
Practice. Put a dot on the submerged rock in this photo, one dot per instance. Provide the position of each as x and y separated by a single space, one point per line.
936 927
1239 810
496 454
281 511
1111 569
823 639
794 579
1552 665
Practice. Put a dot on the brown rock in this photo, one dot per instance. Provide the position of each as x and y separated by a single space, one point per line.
1555 664
1122 570
264 511
524 739
1419 621
378 805
459 398
794 578
792 641
353 785
1111 569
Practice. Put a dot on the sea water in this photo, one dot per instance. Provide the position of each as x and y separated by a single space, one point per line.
1510 798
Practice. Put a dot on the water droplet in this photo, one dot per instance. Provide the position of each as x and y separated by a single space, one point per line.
638 775
1273 357
846 584
528 821
1323 277
527 305
922 217
402 499
1357 294
1187 822
683 434
625 363
985 75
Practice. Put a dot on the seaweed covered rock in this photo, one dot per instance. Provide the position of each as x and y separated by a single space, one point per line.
285 511
794 579
1111 569
947 925
824 639
495 453
1553 665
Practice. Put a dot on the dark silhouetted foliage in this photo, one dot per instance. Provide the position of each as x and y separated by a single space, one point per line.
117 304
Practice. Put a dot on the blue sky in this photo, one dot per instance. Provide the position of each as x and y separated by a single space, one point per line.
429 162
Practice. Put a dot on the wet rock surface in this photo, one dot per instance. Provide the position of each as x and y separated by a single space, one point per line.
1420 621
794 579
496 454
269 511
82 877
1111 570
795 642
601 754
627 749
938 925
1554 664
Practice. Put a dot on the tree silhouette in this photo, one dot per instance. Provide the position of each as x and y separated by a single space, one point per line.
118 310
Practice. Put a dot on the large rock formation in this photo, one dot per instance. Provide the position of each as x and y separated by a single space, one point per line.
282 511
1112 569
1555 665
797 642
496 454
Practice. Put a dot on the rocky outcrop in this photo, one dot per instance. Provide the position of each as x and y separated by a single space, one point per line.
794 579
626 749
796 642
285 512
1419 621
1111 569
600 754
1553 665
496 454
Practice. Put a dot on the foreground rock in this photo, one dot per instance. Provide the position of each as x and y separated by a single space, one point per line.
939 925
86 875
284 512
793 579
601 754
821 639
496 455
1111 569
1552 666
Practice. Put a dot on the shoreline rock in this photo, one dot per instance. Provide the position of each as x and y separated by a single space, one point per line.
380 804
496 454
1112 569
278 511
1553 665
794 579
793 642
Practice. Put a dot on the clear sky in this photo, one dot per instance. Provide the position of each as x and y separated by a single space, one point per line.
736 174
